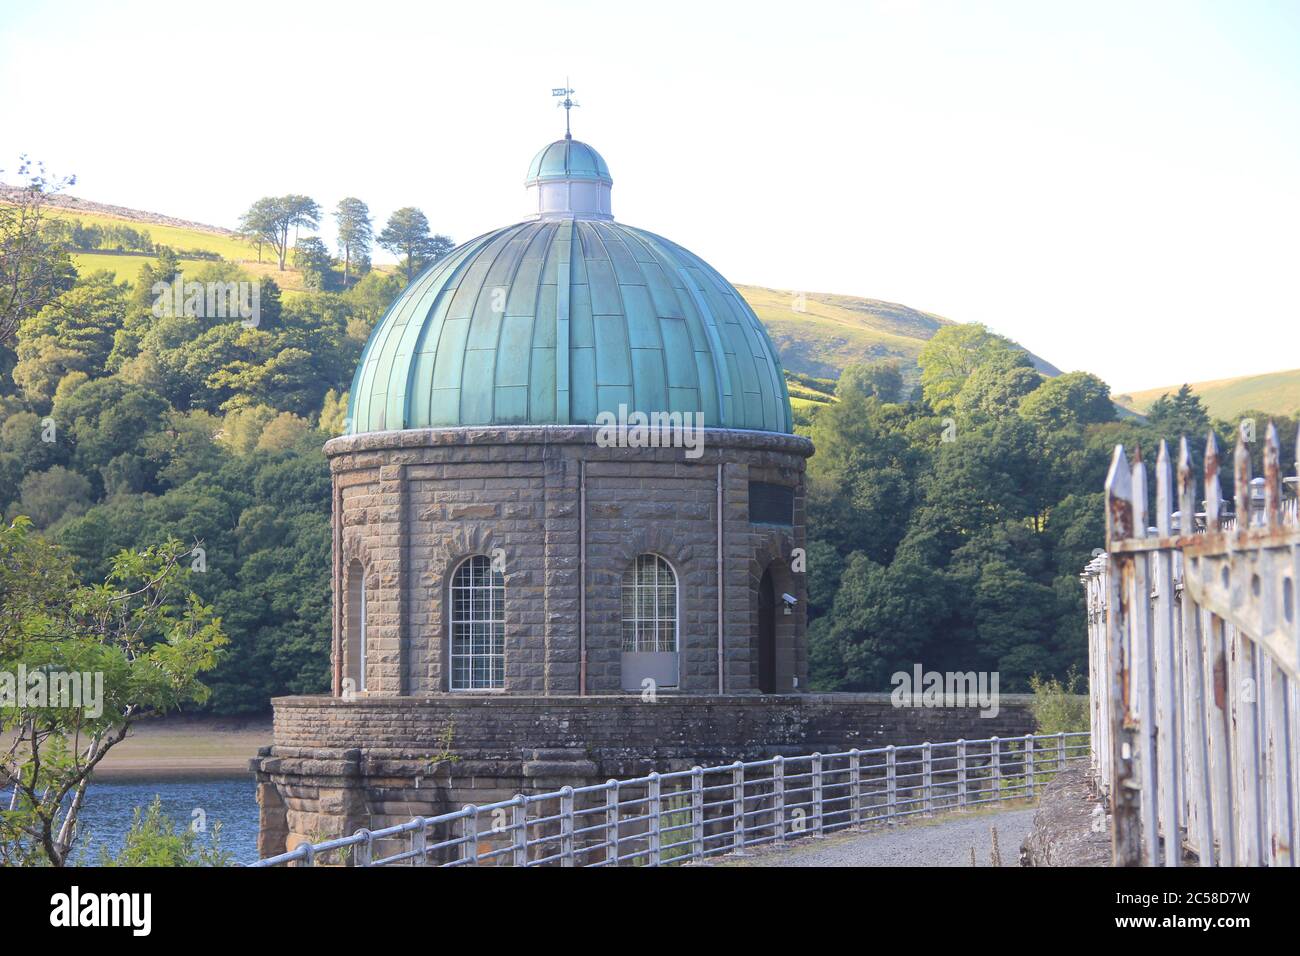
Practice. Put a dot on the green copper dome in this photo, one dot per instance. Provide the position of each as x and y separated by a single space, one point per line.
555 320
568 159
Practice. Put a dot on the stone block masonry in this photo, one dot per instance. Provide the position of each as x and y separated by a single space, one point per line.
567 517
338 765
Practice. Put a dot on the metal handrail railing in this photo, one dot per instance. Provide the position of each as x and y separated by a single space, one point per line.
666 819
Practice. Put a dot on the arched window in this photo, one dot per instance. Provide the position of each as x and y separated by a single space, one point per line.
354 648
478 626
649 606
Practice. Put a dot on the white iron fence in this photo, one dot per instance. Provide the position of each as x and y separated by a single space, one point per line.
673 818
1194 659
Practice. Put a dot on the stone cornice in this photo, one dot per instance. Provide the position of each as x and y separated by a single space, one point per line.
548 435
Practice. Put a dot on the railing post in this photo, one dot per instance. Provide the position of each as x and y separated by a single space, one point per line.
519 831
817 801
1029 765
738 808
566 826
1060 751
697 813
778 797
927 778
855 788
469 835
995 768
361 854
653 810
419 840
891 782
611 822
961 774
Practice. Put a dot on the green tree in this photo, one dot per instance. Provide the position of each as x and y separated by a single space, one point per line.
49 496
1070 400
369 299
74 332
106 418
312 259
951 356
34 263
270 219
407 236
355 232
883 621
144 636
1182 413
996 387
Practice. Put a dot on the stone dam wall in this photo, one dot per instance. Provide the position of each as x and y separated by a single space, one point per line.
431 755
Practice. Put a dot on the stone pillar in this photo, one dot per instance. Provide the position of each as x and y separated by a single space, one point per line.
740 595
386 599
560 572
272 815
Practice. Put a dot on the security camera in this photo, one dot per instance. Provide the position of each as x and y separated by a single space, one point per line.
789 600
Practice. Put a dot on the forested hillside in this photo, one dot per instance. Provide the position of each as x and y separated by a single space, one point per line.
952 501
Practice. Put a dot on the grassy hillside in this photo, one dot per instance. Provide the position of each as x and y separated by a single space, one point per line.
820 333
222 242
126 266
1276 392
816 336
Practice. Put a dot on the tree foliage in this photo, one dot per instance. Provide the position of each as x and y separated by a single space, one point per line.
355 233
137 643
270 219
407 236
948 528
34 263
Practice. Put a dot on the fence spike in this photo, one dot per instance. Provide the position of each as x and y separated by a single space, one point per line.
1164 491
1272 478
1119 498
1139 494
1213 487
1186 489
1241 480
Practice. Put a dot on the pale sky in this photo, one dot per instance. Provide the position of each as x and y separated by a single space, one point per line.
1114 185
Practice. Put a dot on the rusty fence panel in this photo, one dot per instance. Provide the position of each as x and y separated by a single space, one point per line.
1194 661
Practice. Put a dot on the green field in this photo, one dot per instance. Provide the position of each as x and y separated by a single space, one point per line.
228 247
124 268
1226 398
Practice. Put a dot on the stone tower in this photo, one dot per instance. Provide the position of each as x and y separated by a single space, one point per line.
568 532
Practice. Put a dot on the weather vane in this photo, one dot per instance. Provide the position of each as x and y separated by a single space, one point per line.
567 103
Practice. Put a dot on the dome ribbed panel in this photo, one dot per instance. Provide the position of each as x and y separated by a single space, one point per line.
554 322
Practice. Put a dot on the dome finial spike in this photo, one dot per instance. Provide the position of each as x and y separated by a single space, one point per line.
567 92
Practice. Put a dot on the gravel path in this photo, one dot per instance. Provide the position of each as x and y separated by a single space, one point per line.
944 841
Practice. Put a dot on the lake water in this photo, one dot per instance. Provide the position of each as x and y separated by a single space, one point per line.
110 805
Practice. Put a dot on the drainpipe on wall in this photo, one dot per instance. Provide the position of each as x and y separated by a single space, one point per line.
721 601
336 641
582 578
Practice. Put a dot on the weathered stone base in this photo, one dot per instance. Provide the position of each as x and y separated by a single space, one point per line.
1071 827
423 756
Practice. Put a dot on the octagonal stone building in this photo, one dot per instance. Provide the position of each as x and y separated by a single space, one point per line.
568 530
569 470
